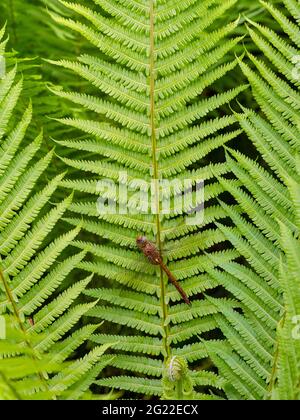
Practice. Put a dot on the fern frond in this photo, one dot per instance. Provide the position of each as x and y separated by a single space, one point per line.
155 111
258 357
134 384
30 270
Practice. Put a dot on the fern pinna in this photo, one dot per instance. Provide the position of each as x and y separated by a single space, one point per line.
152 107
260 356
38 318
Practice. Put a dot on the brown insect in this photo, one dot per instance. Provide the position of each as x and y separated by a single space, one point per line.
152 254
31 321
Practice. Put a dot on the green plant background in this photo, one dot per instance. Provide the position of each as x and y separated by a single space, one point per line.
162 89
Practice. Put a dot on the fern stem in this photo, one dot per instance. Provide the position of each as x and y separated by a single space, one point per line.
11 388
155 175
179 394
12 301
20 323
272 381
